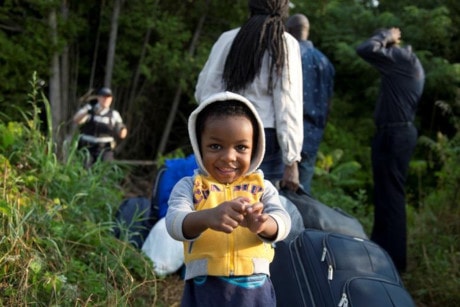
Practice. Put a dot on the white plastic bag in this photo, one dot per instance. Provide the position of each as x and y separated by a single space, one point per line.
165 252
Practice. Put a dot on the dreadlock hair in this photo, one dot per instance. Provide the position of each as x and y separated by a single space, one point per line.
262 32
224 109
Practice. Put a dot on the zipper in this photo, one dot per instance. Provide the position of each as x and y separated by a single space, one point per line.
330 272
323 256
346 287
330 268
231 237
343 301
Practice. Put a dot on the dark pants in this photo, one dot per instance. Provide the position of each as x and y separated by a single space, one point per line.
307 170
392 149
212 291
96 150
272 164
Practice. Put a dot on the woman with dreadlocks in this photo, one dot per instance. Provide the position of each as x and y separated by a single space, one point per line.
261 62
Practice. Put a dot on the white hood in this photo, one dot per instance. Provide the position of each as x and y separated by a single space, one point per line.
257 156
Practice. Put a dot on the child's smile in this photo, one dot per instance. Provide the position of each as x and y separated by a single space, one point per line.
226 147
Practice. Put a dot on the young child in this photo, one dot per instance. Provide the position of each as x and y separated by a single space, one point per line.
226 213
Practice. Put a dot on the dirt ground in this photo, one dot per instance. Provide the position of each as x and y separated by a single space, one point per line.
170 290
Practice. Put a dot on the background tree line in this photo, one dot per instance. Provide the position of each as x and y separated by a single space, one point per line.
150 52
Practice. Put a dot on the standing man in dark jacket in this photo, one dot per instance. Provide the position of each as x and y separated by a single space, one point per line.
318 85
402 82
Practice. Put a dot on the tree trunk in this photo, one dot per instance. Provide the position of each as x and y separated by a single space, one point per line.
112 43
65 75
134 87
175 104
95 52
54 86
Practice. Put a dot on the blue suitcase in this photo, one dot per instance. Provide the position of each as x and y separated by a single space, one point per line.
322 269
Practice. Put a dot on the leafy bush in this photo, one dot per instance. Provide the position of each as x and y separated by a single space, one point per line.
57 245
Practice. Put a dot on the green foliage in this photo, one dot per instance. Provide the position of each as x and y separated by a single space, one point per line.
8 133
434 228
447 153
337 184
57 246
155 39
178 153
26 47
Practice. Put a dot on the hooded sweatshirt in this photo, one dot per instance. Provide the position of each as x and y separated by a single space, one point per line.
240 253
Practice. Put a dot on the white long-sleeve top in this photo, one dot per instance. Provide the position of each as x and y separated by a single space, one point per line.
282 109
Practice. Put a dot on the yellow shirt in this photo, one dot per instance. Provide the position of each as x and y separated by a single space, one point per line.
234 254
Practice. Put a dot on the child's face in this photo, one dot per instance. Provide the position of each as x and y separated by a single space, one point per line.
226 147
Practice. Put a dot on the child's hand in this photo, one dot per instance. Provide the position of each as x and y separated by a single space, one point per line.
228 215
255 220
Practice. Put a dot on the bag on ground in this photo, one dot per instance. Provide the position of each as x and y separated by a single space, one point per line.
320 268
133 220
317 215
136 216
296 219
166 253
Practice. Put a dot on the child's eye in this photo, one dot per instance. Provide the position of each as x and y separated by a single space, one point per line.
241 148
215 146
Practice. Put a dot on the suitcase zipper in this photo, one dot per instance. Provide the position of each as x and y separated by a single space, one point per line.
312 287
330 272
345 289
323 256
330 269
343 301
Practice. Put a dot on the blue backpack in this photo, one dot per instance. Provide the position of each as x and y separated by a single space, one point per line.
136 216
168 175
